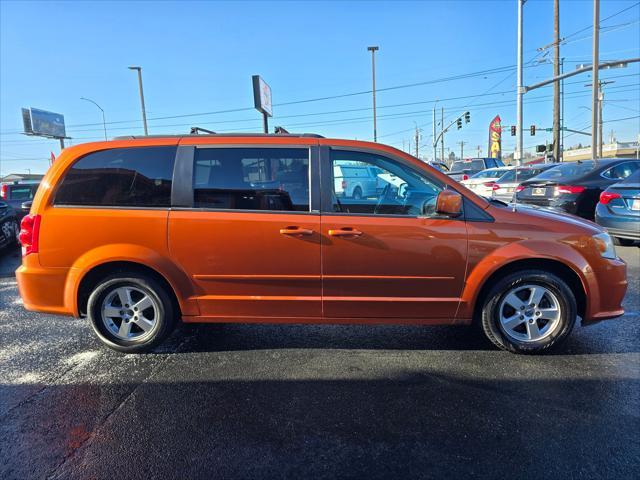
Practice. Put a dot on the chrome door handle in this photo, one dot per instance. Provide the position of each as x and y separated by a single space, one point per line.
295 231
345 232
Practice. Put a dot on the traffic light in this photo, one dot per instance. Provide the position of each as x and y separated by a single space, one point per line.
459 123
467 117
533 130
513 130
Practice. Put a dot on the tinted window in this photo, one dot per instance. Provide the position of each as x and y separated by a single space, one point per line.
252 178
633 178
522 174
22 192
396 189
621 171
458 166
126 177
567 170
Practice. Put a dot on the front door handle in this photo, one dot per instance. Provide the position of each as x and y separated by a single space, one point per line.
295 231
345 232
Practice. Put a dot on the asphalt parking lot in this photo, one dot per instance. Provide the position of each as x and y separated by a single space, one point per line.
262 401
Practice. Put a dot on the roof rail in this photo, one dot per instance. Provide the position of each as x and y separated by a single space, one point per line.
185 135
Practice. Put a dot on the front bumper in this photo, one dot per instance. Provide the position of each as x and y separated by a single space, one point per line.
606 301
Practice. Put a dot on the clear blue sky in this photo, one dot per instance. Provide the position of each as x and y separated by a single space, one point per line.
199 57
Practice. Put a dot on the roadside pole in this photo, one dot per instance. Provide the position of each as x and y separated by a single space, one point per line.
435 139
442 132
520 91
556 84
594 78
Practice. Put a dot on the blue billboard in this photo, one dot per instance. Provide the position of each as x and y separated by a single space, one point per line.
47 124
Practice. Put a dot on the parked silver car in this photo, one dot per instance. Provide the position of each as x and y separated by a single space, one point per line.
505 187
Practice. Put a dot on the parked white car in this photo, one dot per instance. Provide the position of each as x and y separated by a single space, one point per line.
482 182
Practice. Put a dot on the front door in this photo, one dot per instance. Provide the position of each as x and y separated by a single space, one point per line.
388 254
249 241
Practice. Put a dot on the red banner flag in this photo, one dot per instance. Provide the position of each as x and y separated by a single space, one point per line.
495 138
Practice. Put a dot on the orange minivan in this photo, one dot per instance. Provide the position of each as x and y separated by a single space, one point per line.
138 233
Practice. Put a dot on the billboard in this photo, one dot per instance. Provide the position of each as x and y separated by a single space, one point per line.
495 138
43 123
262 96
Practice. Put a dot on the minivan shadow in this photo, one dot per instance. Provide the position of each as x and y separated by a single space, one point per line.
243 337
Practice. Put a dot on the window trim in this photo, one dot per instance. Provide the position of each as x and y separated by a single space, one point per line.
326 175
183 198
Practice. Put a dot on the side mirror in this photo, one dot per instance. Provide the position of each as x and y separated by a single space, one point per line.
449 203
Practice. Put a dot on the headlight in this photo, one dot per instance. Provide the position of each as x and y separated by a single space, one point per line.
605 245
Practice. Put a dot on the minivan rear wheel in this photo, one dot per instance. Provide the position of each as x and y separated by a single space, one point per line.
529 312
130 312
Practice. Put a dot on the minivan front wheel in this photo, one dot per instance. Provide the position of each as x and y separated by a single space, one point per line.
130 312
529 312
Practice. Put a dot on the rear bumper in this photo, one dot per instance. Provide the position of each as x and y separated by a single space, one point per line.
618 225
42 289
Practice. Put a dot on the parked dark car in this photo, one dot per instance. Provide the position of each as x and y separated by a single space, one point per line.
619 210
16 193
575 187
8 226
463 169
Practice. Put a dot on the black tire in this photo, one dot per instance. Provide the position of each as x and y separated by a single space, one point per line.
623 242
357 193
164 323
490 319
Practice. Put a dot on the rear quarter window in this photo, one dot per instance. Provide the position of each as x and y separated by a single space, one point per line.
120 177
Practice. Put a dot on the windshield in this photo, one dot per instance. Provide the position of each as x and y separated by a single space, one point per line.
467 165
567 170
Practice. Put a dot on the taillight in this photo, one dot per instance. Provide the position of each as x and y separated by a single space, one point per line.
4 191
570 189
344 184
606 197
489 184
520 188
29 234
496 187
465 177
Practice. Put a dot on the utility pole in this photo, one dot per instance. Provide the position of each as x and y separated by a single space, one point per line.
561 111
600 101
594 78
556 84
442 130
435 139
520 91
479 151
462 144
373 76
144 113
417 141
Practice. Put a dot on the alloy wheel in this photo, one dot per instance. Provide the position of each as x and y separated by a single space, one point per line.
129 313
529 313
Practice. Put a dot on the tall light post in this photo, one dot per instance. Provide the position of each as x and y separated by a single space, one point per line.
104 123
594 79
373 51
521 90
144 113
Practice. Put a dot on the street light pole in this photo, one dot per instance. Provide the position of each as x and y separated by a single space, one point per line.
144 113
594 78
104 123
373 76
520 91
435 141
